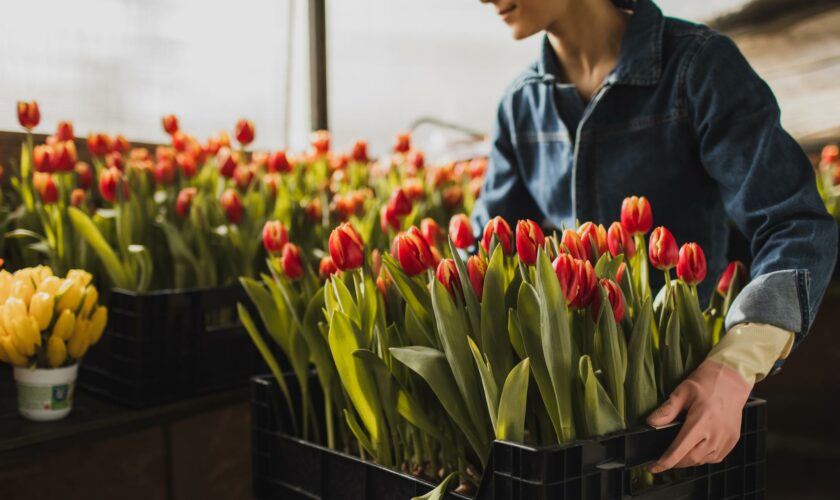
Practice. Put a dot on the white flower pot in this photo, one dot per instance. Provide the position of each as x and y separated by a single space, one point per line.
46 394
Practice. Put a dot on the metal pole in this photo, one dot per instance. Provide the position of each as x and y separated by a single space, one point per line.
318 64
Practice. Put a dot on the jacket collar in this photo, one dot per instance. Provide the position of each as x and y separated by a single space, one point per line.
640 58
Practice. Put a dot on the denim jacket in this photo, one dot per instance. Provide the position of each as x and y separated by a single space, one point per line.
685 121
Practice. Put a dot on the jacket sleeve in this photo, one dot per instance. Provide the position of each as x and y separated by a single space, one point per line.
504 192
768 189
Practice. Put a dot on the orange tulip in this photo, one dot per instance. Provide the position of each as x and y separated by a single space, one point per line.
529 239
691 266
28 114
244 131
499 228
232 206
64 131
110 180
662 250
346 247
636 215
412 252
170 124
476 269
460 231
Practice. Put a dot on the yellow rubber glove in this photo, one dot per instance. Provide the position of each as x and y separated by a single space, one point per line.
715 394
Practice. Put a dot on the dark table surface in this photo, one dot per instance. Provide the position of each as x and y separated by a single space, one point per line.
91 417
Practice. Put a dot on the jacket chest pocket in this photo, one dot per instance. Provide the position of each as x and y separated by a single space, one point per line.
546 162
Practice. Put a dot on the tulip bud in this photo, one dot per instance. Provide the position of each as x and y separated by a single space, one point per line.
41 308
460 231
274 236
56 352
663 251
403 143
291 261
529 239
23 289
28 114
326 268
476 268
416 159
620 241
63 327
499 228
619 274
577 280
359 152
244 131
91 296
477 168
69 295
431 231
636 215
278 162
339 162
170 124
64 131
98 144
399 203
414 189
243 176
26 333
42 158
615 297
121 144
188 164
165 172
97 325
475 187
63 156
226 160
232 206
83 277
184 201
79 341
691 266
115 160
346 247
84 174
452 197
48 190
110 181
725 281
12 308
412 252
388 218
594 239
8 347
50 285
447 274
573 245
313 210
830 154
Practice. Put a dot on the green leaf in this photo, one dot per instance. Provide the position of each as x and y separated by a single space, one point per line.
473 305
357 431
416 297
345 301
673 370
494 336
612 357
641 380
414 413
491 390
692 321
178 247
601 416
145 266
511 421
112 264
439 492
515 334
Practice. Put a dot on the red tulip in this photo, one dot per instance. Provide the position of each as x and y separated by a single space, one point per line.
477 168
388 219
460 231
179 141
272 183
243 176
188 164
663 251
414 189
313 210
636 216
291 261
64 131
431 231
830 154
475 187
620 241
436 256
447 274
110 180
115 159
416 159
121 144
274 236
28 114
47 189
226 160
165 172
78 197
346 247
85 174
725 281
619 274
412 252
399 203
184 201
573 245
278 162
244 131
42 158
170 124
326 268
452 197
529 239
691 266
98 144
476 269
594 239
615 297
320 140
359 152
499 228
232 206
403 143
577 280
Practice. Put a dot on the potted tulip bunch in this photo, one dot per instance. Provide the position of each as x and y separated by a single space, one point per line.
47 324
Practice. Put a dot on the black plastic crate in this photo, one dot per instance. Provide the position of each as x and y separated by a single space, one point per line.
290 468
165 346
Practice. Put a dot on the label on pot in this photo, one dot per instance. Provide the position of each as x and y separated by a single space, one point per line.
39 397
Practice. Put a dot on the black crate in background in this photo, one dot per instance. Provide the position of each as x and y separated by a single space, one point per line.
165 346
289 468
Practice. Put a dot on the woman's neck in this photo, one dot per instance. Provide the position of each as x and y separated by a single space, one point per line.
587 41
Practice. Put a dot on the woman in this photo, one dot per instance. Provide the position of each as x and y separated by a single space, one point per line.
624 101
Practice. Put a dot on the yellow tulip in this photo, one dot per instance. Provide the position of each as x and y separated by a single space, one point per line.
27 335
63 327
97 324
50 285
83 277
78 344
22 289
41 308
56 351
69 295
3 356
43 272
5 285
15 357
13 308
90 299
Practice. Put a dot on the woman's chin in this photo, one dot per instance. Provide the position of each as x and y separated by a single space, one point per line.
523 32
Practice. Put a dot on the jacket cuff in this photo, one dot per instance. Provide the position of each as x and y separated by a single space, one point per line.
779 299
